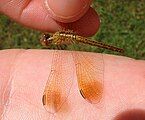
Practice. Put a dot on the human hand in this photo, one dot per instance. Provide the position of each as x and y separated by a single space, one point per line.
37 14
21 99
121 93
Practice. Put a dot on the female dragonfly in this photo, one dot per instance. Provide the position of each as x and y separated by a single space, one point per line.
89 71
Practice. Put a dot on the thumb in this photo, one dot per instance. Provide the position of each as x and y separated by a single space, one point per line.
67 10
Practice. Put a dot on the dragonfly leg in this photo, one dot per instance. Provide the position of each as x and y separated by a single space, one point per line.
60 47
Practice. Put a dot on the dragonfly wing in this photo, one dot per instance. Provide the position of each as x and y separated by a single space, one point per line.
89 71
59 82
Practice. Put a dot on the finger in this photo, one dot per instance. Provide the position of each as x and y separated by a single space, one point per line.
67 11
29 13
123 88
34 14
87 25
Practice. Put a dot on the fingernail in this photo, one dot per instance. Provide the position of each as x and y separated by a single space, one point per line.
66 10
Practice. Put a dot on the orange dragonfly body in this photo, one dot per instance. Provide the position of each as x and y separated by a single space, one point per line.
89 71
68 37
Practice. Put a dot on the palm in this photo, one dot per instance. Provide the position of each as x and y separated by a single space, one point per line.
124 89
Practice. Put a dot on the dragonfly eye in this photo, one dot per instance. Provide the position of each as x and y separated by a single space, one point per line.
46 36
46 39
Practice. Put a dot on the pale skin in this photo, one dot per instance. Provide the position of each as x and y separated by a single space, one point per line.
28 70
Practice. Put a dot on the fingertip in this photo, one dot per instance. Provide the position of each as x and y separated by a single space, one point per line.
88 25
67 11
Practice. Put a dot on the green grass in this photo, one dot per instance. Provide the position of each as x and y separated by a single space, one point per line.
122 25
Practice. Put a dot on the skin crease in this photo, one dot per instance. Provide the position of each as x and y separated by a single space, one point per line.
124 81
124 78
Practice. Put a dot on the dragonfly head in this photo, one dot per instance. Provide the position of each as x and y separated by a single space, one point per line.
46 39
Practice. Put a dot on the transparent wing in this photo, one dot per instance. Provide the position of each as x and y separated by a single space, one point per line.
89 71
59 82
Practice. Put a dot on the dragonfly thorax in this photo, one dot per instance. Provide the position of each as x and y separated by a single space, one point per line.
60 38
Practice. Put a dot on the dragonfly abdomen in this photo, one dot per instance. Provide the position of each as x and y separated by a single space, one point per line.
98 44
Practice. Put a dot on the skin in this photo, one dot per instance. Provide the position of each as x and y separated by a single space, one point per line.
124 81
22 84
38 14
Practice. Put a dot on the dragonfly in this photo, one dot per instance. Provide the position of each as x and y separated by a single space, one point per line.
66 37
89 71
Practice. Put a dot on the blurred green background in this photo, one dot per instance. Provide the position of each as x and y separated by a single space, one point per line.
122 25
